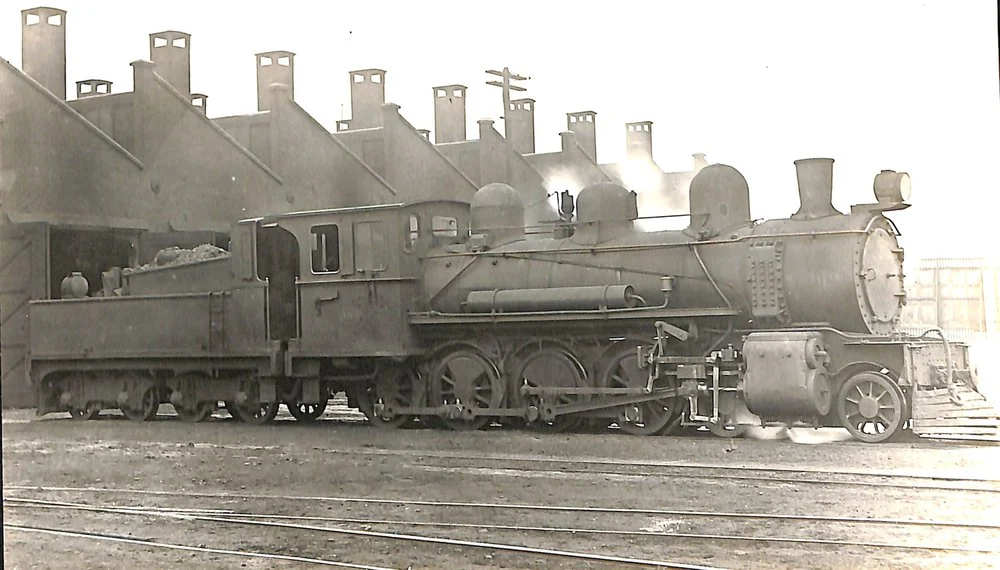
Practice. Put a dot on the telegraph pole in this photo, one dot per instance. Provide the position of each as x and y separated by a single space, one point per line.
507 88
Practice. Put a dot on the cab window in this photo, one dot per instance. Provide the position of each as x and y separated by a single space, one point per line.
444 226
412 233
326 248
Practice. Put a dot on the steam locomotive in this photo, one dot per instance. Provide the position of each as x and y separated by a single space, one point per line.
449 313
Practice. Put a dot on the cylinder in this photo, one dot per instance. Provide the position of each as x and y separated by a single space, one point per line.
786 376
555 299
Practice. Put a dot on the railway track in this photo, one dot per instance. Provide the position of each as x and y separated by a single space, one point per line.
295 511
185 547
520 464
991 529
249 519
691 470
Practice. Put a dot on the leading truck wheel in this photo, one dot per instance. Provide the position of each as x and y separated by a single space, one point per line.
871 406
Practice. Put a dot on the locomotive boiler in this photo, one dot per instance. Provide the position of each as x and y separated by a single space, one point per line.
452 314
818 266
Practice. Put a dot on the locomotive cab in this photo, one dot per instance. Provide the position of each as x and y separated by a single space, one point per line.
341 281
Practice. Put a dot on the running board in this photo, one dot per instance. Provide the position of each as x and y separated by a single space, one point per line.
958 412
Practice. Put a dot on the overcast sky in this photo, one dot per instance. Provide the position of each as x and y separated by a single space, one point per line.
904 85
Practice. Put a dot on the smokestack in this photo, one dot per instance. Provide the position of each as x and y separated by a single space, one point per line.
200 102
92 87
639 140
449 113
367 98
520 125
43 47
171 52
584 124
274 67
699 161
815 177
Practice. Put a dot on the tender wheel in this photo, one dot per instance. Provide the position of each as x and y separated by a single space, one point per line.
466 379
307 412
397 387
260 414
871 406
147 409
90 412
622 371
200 413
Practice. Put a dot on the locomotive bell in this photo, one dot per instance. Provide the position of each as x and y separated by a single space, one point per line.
892 187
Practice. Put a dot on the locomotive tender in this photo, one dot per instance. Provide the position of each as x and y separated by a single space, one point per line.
451 313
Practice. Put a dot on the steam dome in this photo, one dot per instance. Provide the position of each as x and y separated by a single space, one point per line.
498 210
606 202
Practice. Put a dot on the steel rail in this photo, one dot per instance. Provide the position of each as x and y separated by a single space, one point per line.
253 520
653 463
374 534
571 530
207 550
523 506
763 479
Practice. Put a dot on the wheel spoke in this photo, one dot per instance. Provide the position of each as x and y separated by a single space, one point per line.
467 377
870 406
622 371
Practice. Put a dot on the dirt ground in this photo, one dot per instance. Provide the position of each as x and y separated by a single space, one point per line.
221 464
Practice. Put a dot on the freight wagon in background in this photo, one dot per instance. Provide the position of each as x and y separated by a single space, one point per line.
961 296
